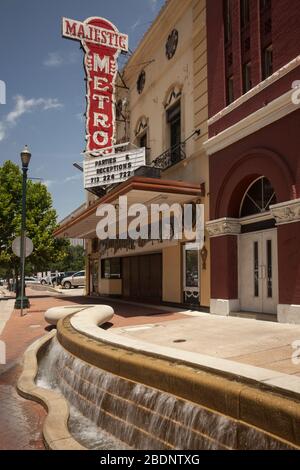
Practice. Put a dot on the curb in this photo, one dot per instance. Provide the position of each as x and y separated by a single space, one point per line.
55 429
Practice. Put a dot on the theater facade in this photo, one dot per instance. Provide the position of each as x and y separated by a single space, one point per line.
253 151
160 105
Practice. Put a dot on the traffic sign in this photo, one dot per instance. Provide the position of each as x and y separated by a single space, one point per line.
28 246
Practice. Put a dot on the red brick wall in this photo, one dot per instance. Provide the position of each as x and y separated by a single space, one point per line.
257 102
216 59
272 151
289 263
224 267
286 46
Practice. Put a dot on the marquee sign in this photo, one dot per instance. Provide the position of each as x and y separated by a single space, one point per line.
111 169
102 43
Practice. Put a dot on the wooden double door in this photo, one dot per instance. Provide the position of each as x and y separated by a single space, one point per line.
142 277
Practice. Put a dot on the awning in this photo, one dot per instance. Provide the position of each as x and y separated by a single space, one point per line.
82 224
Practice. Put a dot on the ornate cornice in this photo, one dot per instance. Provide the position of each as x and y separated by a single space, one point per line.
221 227
286 212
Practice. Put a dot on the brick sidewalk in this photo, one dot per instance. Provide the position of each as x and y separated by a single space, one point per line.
21 420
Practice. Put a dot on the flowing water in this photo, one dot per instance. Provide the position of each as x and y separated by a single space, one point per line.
109 412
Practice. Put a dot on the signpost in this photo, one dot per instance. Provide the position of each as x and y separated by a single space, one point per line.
22 252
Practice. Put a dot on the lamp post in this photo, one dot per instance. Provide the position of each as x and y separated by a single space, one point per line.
22 301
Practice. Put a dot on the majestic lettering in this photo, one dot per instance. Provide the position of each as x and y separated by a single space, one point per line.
102 43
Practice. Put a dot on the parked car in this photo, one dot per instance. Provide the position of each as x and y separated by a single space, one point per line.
47 279
31 280
57 280
78 279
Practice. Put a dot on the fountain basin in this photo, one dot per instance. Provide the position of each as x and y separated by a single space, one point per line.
159 403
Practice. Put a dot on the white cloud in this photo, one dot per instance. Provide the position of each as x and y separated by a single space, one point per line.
136 24
73 178
53 59
69 179
56 59
80 117
48 183
23 106
153 4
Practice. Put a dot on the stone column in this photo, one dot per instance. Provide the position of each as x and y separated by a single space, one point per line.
287 215
224 265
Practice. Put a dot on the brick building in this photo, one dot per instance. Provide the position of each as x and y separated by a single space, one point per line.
253 149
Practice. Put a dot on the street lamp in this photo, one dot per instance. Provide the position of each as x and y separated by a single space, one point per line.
22 301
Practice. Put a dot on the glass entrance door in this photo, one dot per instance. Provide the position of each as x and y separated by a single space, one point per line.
191 274
258 271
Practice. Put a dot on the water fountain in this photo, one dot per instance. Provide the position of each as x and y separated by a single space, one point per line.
120 398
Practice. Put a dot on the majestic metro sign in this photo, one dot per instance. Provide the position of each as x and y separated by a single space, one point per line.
102 43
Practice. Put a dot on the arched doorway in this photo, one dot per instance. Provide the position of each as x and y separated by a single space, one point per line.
258 264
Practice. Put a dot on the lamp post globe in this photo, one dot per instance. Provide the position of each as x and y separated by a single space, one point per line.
25 157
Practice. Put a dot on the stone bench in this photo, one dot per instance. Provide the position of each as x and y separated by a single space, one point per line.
99 313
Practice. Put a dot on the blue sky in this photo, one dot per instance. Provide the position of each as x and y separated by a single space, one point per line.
45 88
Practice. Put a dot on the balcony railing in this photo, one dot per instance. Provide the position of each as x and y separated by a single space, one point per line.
170 157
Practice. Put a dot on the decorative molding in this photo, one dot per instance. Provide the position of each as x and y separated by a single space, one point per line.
222 227
141 125
286 212
263 117
171 44
257 89
172 95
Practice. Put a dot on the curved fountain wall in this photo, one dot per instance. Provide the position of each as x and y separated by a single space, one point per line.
151 403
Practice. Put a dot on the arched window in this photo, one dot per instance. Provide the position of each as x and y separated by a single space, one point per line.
141 136
258 198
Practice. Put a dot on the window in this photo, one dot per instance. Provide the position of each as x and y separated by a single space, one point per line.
174 123
266 38
143 143
247 84
227 21
79 274
256 270
143 140
258 198
228 51
267 62
230 91
245 12
111 268
265 4
269 269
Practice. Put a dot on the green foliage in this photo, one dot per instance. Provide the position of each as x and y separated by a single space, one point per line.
41 221
73 261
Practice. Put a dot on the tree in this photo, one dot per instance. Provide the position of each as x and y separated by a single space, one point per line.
41 221
74 260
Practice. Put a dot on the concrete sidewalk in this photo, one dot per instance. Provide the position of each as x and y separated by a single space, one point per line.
257 343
